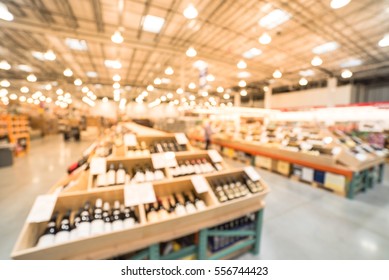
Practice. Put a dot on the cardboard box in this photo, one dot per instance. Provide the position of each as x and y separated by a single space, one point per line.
335 182
307 174
283 167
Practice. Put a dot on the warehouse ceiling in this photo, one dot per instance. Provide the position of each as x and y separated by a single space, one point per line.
79 33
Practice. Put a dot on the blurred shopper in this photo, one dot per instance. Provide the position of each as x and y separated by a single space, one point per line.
207 134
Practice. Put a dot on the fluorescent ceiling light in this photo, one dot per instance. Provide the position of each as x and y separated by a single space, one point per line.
169 71
91 74
351 63
226 96
316 61
150 88
5 83
325 48
220 89
277 74
179 91
242 83
75 44
244 75
384 42
346 74
114 64
68 72
165 80
210 78
77 82
192 85
274 19
157 81
265 39
116 78
303 82
307 73
24 89
337 4
38 55
31 78
5 14
4 65
241 64
251 53
191 52
152 23
243 92
200 64
25 68
191 12
49 55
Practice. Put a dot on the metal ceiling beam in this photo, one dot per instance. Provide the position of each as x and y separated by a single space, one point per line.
96 6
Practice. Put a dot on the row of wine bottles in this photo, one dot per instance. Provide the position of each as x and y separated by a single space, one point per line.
232 188
166 146
139 150
217 243
194 166
87 222
173 206
140 174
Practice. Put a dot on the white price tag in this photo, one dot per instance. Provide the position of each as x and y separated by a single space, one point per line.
181 138
252 173
170 159
135 194
162 160
98 165
200 184
130 140
215 156
43 208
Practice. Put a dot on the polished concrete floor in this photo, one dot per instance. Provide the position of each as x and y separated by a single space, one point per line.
300 222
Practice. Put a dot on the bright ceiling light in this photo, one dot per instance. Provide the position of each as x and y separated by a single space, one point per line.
226 96
191 12
68 72
242 83
165 81
116 91
77 82
30 100
157 81
384 42
274 19
105 99
243 92
38 55
210 78
192 85
116 78
85 89
152 23
4 65
169 95
24 89
13 96
265 88
265 39
191 52
192 97
75 44
337 4
241 64
31 78
59 91
42 98
117 37
145 93
204 93
5 83
92 74
169 71
303 82
49 55
220 89
251 53
116 85
163 98
325 48
49 100
244 75
114 64
351 63
179 91
176 102
48 87
346 74
25 68
316 61
307 73
3 92
150 87
5 14
22 98
67 95
277 74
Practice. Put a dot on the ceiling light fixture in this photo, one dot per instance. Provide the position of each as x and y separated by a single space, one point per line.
192 85
59 91
220 89
114 64
4 65
274 19
116 78
243 92
13 96
105 99
49 55
191 52
316 61
192 97
75 44
31 78
157 81
277 74
91 74
204 93
24 89
351 63
77 82
150 87
169 71
116 85
117 37
210 78
384 42
346 74
242 83
85 89
5 83
265 39
226 96
68 72
241 64
325 48
307 73
303 82
251 53
48 87
25 68
163 98
5 14
190 12
145 93
169 95
337 4
22 98
179 91
152 24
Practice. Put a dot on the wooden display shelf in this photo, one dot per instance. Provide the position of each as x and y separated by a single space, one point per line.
15 128
142 235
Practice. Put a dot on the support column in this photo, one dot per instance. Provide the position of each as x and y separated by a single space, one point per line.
331 85
267 99
236 99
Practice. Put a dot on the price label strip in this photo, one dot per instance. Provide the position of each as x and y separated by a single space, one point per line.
135 194
162 160
98 165
43 208
200 184
130 140
181 138
215 156
252 173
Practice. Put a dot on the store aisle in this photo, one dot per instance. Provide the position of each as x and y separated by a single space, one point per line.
30 176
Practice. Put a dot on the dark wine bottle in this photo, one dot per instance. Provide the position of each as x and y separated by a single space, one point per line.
97 224
63 234
48 237
85 222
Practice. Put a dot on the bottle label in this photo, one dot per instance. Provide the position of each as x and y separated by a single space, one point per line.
200 205
117 225
120 177
152 216
83 229
111 177
149 176
73 234
180 210
46 240
128 223
190 208
97 227
163 214
61 237
107 227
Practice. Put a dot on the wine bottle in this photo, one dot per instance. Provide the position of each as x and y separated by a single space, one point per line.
97 224
120 175
162 212
196 166
73 227
189 168
63 233
151 213
189 207
221 195
85 221
139 176
129 217
172 208
107 218
149 175
199 203
111 175
48 237
159 175
179 208
117 216
73 167
101 180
